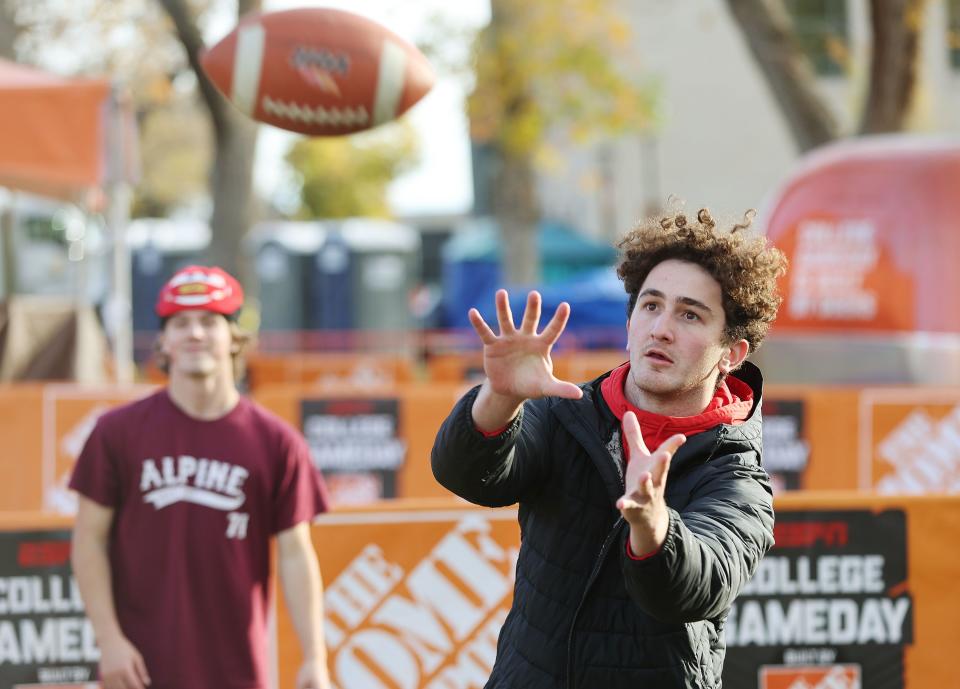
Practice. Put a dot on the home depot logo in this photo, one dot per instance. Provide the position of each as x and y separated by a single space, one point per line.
817 677
434 626
923 453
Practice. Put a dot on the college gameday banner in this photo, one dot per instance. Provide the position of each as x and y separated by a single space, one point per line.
371 442
356 443
857 593
45 638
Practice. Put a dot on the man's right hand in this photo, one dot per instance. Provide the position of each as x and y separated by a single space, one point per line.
517 361
121 665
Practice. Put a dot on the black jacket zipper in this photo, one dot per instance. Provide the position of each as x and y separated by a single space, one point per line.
598 565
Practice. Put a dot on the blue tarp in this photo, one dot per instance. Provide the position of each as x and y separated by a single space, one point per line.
598 308
471 264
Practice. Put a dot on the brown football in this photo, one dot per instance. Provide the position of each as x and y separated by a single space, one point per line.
317 71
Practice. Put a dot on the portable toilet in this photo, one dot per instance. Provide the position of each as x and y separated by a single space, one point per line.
283 253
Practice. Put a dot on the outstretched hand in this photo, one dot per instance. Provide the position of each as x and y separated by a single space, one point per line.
517 361
643 505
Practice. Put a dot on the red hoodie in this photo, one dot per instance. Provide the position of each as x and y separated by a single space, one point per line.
731 404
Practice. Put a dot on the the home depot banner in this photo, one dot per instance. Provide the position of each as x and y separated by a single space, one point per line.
910 440
859 593
414 598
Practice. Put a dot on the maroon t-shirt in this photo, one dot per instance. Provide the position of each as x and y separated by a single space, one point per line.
196 504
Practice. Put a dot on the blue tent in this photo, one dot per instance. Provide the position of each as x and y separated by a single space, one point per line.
598 309
472 257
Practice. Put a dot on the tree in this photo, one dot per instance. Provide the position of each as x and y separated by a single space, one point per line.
543 67
896 26
341 177
231 176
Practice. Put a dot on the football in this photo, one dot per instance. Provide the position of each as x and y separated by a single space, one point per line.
317 71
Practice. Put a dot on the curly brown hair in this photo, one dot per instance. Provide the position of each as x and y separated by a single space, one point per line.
744 264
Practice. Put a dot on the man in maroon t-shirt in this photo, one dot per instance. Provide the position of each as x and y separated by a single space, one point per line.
180 494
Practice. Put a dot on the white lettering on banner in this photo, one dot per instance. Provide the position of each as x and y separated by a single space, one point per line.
56 639
359 454
829 269
817 622
848 574
357 591
54 675
406 635
359 442
809 656
472 667
39 595
924 455
215 484
783 448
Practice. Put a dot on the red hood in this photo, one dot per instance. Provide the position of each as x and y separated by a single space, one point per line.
730 405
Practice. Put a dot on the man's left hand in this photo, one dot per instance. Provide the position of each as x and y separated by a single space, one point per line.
313 675
643 504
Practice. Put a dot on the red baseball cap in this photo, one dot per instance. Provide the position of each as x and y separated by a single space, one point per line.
207 288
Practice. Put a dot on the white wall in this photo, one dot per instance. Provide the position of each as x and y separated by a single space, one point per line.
721 141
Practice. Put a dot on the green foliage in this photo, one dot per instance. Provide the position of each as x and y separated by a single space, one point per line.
545 64
344 177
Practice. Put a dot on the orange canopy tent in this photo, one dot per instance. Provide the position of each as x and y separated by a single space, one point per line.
70 139
53 133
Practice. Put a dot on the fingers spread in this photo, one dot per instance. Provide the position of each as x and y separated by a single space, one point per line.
631 429
551 333
672 444
531 315
561 388
487 336
504 314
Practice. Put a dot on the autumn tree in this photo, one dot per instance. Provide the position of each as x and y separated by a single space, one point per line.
543 68
231 173
896 27
342 177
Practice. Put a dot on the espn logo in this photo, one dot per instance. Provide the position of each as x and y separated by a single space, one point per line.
810 677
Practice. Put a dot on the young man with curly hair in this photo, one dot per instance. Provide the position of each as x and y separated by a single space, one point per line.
630 557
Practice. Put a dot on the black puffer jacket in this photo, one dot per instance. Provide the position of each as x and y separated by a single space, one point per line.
584 614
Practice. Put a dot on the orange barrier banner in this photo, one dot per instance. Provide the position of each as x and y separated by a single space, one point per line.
44 428
321 368
858 593
415 597
910 440
374 441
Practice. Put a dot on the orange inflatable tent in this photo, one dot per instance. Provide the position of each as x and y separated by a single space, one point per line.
872 230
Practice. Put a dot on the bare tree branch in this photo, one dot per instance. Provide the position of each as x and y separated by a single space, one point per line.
231 178
893 66
767 29
188 32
